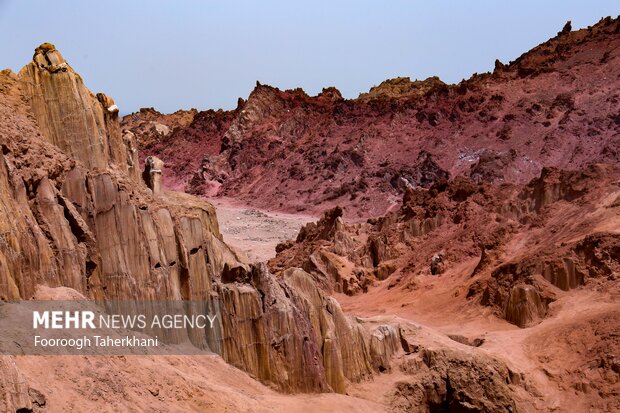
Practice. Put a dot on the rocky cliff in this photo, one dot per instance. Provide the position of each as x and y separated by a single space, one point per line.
83 125
83 219
75 214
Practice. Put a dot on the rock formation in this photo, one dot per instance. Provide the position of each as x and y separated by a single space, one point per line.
17 396
453 380
401 88
521 253
90 133
75 215
196 133
486 232
152 174
453 220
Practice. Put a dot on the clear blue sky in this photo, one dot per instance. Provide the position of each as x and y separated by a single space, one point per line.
205 54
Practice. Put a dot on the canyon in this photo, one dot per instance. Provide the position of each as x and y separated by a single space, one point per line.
454 248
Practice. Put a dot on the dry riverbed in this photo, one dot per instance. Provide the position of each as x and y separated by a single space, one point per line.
256 233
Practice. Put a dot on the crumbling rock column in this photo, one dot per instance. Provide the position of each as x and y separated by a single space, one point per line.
108 104
129 140
525 306
153 170
83 125
437 264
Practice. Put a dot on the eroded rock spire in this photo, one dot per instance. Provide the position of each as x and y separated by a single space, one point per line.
82 124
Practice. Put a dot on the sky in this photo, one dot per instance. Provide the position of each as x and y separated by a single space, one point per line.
205 53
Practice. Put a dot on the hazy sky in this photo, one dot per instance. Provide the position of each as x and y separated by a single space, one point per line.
205 54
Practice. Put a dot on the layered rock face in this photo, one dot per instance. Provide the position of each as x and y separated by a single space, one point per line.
83 125
97 231
13 387
555 106
440 378
73 214
287 331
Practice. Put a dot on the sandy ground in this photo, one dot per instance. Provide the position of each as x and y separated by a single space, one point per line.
256 233
158 384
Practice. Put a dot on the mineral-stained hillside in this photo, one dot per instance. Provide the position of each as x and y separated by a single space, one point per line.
555 106
76 216
79 221
543 256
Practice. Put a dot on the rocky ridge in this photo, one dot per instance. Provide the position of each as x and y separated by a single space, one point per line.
554 106
456 220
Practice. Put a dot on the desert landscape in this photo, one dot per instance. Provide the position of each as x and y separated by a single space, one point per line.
424 247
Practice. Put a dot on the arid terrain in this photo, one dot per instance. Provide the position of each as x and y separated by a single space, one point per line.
422 248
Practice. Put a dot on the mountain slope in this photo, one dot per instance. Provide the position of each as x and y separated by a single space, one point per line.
557 105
